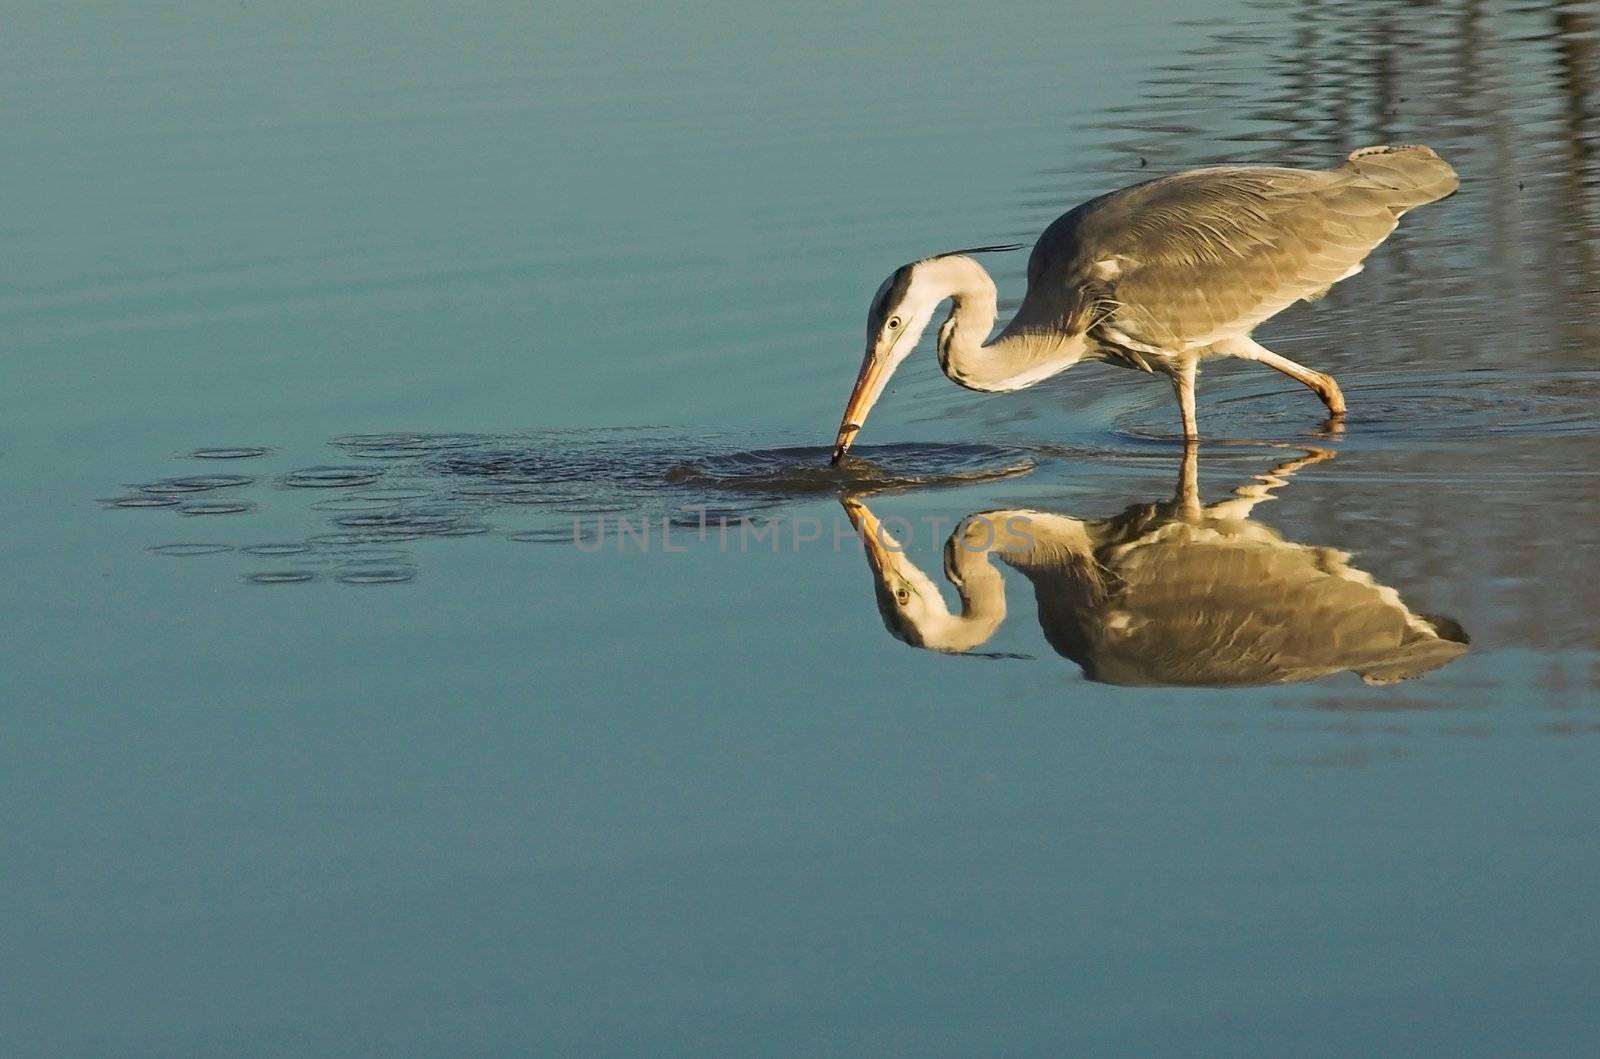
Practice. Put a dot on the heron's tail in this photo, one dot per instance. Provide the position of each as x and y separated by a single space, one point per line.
1412 175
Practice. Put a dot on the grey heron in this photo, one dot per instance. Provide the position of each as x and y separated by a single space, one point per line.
1156 277
1172 593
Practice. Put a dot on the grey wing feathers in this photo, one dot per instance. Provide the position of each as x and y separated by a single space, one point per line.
1186 260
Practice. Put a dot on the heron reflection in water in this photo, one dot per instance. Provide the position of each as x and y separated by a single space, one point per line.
1168 593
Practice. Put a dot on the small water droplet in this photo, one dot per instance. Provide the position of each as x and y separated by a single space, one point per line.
216 507
286 548
237 452
141 501
383 575
188 549
280 577
461 529
353 539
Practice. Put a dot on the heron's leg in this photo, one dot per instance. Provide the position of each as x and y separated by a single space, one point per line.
1183 382
1322 385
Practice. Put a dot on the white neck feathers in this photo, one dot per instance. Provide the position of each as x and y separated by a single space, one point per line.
1018 358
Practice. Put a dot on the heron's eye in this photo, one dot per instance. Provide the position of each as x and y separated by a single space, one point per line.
894 323
902 595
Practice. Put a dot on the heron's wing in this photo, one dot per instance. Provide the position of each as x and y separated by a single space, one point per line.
1190 259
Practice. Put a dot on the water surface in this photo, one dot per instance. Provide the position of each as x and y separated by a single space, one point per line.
343 716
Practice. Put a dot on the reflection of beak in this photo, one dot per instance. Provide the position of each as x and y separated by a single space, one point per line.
869 385
856 511
869 529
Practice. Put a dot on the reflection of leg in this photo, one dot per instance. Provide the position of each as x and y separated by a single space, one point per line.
1322 385
1183 382
1187 496
1288 467
1246 497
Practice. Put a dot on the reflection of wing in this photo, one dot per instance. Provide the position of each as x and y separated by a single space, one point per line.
1221 603
1165 594
1190 259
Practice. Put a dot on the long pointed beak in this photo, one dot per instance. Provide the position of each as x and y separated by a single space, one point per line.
875 370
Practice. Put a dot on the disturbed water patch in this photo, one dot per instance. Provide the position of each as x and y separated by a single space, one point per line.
535 487
791 472
193 483
175 492
1474 404
1412 409
407 446
330 477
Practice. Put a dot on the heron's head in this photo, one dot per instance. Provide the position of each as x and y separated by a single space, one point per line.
911 605
908 599
896 319
899 314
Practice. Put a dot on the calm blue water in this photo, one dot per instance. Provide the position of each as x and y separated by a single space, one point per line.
397 766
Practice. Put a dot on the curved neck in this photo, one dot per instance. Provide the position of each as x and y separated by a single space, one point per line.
1022 355
982 592
979 586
